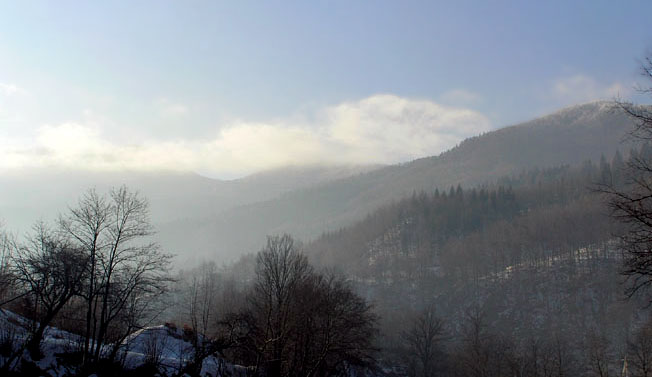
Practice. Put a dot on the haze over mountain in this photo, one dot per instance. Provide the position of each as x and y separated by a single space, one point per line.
313 189
26 196
569 136
199 217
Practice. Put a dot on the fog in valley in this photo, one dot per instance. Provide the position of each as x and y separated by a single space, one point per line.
325 189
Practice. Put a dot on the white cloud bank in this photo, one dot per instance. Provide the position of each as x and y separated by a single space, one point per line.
378 129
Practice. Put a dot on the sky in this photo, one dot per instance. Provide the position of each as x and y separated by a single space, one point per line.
226 89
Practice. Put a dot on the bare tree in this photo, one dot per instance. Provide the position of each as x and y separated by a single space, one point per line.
474 356
114 232
202 295
631 203
640 351
422 340
298 322
335 328
86 224
481 352
207 298
599 354
51 271
7 244
280 270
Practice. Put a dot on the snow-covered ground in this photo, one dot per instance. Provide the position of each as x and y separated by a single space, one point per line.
160 345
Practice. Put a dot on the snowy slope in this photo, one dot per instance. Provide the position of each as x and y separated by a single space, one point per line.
162 346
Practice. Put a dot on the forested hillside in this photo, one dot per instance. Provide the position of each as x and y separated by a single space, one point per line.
515 275
325 189
529 263
522 218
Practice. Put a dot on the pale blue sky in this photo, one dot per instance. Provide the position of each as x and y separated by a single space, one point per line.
174 76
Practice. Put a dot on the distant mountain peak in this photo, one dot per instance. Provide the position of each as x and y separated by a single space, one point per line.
585 111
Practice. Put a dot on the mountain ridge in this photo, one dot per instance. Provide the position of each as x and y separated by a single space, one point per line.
201 217
569 136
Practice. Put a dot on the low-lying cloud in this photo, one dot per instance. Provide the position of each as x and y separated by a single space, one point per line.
380 129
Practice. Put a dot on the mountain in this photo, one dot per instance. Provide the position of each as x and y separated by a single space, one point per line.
40 194
570 136
199 217
531 264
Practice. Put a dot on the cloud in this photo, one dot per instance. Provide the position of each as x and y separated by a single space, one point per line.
378 129
387 128
581 88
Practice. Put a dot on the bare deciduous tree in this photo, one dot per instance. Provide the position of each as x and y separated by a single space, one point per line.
640 351
298 322
632 203
201 295
7 244
51 271
114 233
599 354
422 340
334 328
280 270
